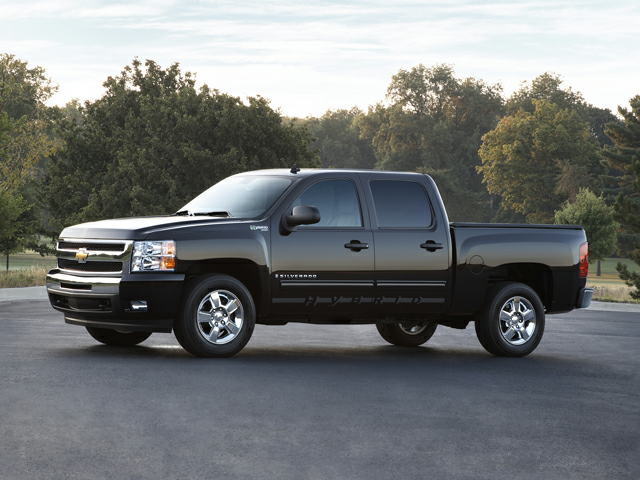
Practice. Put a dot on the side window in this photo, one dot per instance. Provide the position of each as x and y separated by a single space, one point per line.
400 204
337 201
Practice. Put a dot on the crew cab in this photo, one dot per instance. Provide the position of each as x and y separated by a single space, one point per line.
317 246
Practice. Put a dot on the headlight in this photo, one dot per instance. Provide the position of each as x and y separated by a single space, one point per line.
151 256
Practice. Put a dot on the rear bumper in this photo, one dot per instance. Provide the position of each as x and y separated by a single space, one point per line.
105 302
584 297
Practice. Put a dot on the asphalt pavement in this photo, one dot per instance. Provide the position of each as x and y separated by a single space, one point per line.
315 402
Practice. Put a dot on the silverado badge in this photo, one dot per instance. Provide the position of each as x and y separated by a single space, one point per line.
82 255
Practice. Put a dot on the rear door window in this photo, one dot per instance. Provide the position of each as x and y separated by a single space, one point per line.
400 204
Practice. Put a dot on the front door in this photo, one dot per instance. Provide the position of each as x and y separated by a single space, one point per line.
325 269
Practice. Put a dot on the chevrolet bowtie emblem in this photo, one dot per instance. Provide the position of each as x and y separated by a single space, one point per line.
82 255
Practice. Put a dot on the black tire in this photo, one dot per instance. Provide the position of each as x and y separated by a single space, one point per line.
406 335
117 338
511 323
205 329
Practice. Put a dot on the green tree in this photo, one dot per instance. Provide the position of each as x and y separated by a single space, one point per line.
548 86
16 215
618 158
23 93
25 140
11 207
20 223
626 155
153 142
537 161
6 125
434 124
338 139
597 219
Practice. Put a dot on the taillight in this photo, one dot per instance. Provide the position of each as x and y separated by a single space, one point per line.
584 260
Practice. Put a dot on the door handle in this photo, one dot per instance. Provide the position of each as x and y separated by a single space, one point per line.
356 246
431 246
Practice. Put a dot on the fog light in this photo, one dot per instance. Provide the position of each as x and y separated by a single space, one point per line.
138 305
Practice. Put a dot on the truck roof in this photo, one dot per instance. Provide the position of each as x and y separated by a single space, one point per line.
306 172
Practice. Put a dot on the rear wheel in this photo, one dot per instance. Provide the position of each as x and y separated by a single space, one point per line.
405 334
216 318
117 338
511 322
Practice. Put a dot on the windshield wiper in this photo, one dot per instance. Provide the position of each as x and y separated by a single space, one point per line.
204 214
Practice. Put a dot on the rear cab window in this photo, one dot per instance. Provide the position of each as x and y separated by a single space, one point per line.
400 204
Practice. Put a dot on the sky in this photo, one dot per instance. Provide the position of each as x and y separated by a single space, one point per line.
310 56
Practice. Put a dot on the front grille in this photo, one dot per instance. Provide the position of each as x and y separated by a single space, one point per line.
92 247
89 266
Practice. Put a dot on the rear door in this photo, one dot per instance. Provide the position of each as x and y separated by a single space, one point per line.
412 265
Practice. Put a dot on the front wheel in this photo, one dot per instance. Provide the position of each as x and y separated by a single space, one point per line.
511 322
406 335
117 338
216 318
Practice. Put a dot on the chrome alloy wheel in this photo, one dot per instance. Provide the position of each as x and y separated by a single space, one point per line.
517 320
220 317
413 329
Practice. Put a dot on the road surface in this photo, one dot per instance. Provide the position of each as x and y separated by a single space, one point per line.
314 402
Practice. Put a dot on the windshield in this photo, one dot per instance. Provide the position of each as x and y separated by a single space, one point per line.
241 196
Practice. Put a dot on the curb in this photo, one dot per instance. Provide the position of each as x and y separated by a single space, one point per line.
40 293
614 307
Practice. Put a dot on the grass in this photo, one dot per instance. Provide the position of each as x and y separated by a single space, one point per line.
25 260
33 276
608 287
608 267
25 270
613 294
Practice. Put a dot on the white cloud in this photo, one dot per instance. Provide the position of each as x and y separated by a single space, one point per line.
311 56
81 9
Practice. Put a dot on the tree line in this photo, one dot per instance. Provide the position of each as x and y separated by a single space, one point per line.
543 155
153 141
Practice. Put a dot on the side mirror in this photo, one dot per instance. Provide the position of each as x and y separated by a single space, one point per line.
301 215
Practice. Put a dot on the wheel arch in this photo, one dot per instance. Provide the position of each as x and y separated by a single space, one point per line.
245 271
537 276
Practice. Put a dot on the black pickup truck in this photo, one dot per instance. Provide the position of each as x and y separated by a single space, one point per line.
317 246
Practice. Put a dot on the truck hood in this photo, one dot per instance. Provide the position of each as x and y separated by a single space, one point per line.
137 228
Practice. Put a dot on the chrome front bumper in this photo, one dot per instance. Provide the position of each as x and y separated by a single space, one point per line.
72 293
58 282
110 302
